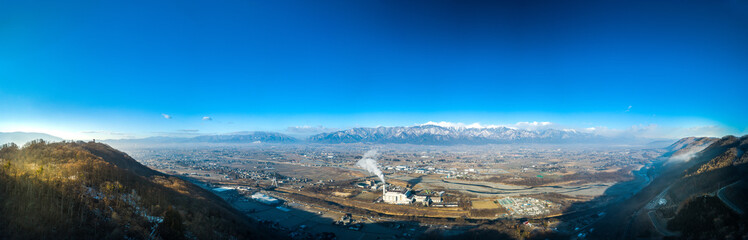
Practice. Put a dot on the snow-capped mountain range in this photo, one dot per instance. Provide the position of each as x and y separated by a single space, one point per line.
433 134
424 134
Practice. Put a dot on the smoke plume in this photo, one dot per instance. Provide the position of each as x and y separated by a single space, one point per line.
369 163
688 155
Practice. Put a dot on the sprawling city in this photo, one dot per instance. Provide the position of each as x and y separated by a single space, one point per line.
373 119
369 191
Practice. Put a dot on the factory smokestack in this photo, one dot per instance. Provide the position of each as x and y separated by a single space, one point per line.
369 163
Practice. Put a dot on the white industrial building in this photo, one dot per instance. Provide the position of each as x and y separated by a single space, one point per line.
226 191
260 197
397 197
422 200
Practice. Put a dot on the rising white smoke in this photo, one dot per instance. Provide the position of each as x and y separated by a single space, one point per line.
369 163
688 155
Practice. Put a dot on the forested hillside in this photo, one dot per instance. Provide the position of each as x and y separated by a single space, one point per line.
92 191
697 193
700 213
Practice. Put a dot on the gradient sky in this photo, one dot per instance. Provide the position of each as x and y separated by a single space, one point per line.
111 69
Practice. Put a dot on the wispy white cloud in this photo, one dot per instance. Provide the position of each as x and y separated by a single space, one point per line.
656 131
180 133
105 134
458 125
535 125
206 118
628 108
710 131
92 132
167 116
310 129
635 131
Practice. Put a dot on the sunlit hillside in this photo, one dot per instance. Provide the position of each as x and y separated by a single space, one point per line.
78 190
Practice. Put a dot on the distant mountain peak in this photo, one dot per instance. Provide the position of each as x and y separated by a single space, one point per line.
235 137
446 134
246 137
21 138
459 125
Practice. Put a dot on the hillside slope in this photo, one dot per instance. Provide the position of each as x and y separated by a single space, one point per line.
92 191
686 148
686 194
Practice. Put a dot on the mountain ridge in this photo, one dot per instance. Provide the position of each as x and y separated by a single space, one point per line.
236 137
426 134
684 194
21 138
440 135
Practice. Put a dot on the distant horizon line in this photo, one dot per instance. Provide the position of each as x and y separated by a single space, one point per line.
299 136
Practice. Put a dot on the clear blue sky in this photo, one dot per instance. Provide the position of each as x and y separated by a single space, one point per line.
110 69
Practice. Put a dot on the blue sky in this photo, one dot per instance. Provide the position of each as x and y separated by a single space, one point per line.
110 69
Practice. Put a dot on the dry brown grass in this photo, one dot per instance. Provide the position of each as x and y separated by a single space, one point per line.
485 204
397 182
388 209
367 196
342 194
611 170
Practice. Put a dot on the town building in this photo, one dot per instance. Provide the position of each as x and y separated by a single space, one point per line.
260 197
398 197
422 200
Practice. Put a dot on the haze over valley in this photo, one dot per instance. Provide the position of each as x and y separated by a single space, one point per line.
370 120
